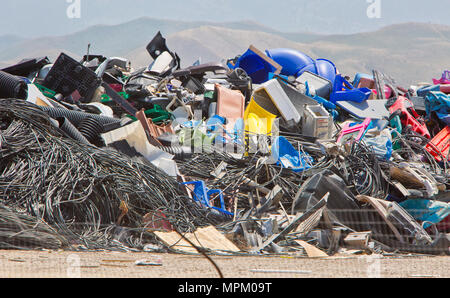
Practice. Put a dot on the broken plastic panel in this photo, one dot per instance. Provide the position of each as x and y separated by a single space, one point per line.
439 146
375 109
158 48
354 131
27 66
162 64
409 116
230 105
271 95
342 206
288 157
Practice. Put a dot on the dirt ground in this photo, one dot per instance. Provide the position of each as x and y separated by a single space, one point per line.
63 264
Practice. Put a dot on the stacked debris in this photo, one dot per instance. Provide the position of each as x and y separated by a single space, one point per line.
270 152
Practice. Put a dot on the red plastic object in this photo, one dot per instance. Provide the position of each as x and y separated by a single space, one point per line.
440 144
156 220
445 88
409 116
116 87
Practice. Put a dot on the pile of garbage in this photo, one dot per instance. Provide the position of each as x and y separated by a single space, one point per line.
266 152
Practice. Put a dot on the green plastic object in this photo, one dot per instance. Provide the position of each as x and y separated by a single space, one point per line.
105 97
396 124
209 94
47 92
157 114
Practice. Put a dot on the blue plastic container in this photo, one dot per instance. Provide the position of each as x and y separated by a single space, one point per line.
295 63
344 91
257 68
203 195
326 69
291 60
288 157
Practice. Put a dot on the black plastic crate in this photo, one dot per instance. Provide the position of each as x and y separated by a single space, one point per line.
68 75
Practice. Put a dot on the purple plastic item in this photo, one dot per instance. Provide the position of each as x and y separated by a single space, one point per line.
445 79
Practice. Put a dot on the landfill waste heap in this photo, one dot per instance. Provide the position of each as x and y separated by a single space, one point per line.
268 152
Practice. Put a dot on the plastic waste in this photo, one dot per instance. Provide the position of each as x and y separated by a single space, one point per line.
409 116
12 86
286 156
256 65
354 131
257 119
429 212
439 146
439 103
295 63
343 90
445 78
381 143
208 197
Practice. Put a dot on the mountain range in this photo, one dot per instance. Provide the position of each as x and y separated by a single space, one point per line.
408 52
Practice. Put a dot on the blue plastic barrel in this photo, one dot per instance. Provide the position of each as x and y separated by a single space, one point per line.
326 69
295 63
291 60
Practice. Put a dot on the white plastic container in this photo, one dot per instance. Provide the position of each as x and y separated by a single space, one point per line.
272 97
317 122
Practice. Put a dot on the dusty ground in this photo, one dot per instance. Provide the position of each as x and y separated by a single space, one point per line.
51 264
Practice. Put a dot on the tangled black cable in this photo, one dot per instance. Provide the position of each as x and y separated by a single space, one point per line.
80 190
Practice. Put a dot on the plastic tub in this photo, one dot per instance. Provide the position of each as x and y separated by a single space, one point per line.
257 119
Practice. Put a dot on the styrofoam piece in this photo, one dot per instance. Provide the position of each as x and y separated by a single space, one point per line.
375 109
274 91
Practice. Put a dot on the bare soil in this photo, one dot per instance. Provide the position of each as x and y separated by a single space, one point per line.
62 264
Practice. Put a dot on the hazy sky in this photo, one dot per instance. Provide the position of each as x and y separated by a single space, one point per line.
36 18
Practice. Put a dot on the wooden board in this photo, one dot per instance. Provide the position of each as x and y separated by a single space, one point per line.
311 250
207 237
